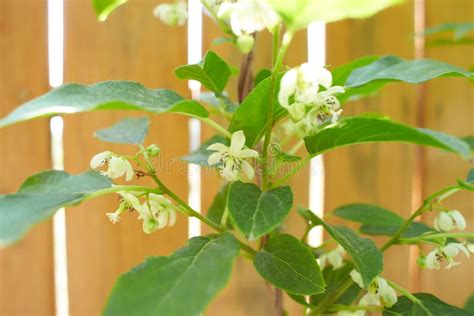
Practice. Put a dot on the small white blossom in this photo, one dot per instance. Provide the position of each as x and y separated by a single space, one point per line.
117 166
172 13
231 160
470 247
378 291
162 209
250 16
128 202
446 253
446 221
334 257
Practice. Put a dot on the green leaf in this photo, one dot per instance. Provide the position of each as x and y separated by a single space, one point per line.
391 68
213 72
218 205
470 141
222 102
257 213
414 230
104 7
288 264
127 131
40 196
469 304
298 14
373 128
368 259
200 155
470 176
107 95
459 29
434 305
368 214
181 284
262 75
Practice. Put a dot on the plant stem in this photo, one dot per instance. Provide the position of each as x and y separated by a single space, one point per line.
332 297
120 188
415 240
408 295
215 125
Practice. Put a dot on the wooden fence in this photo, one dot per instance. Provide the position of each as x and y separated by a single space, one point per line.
133 45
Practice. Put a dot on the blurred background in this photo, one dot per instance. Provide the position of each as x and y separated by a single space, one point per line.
133 45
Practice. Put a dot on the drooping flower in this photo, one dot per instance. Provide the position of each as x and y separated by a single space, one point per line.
231 160
446 221
334 257
117 166
162 209
172 13
129 201
378 291
446 253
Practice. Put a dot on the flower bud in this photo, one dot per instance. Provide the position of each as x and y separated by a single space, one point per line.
245 43
172 13
153 150
150 225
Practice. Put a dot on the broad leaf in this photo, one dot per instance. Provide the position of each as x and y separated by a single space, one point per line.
218 205
223 102
257 213
373 128
288 264
391 68
470 141
126 131
434 305
107 95
368 214
40 196
414 230
181 284
200 155
298 14
368 259
104 7
213 72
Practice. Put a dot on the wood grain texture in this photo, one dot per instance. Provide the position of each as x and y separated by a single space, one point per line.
130 45
26 268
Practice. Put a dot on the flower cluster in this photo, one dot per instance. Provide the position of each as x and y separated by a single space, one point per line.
231 160
116 166
308 106
444 254
156 212
172 13
446 221
334 258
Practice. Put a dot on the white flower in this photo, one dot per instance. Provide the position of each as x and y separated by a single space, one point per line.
446 221
357 278
250 16
378 292
436 257
117 166
231 159
162 210
128 202
172 13
334 257
470 247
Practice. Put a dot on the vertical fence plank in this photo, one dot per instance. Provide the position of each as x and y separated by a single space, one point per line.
26 269
131 45
450 109
376 173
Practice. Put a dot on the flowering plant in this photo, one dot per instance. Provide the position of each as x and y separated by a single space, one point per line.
300 104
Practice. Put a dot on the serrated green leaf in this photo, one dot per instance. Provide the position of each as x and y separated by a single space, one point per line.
104 7
288 264
213 72
368 214
372 128
179 285
218 205
257 213
391 68
40 196
434 305
107 95
298 14
200 155
368 259
131 130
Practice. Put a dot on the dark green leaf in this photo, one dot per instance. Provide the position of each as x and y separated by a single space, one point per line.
310 218
414 230
213 72
104 7
107 95
40 196
469 304
374 128
262 75
368 214
127 131
288 264
391 68
199 156
470 141
222 102
470 176
257 213
434 305
367 257
218 205
181 284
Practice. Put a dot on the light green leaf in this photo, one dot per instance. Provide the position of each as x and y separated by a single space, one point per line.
127 131
391 68
104 7
107 95
40 196
218 205
288 264
373 128
200 155
257 213
368 214
179 285
434 305
213 72
368 259
459 29
298 14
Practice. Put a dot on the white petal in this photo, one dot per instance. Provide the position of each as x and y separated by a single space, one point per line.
247 153
458 219
357 278
99 159
248 170
297 111
445 222
214 158
129 173
237 142
333 90
369 300
117 167
287 86
162 219
452 249
388 297
172 217
225 10
431 262
218 147
323 77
